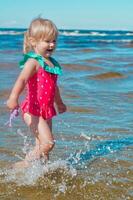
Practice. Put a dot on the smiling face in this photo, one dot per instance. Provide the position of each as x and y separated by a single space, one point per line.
41 37
45 47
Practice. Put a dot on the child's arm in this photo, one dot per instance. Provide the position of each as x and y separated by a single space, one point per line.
61 107
26 73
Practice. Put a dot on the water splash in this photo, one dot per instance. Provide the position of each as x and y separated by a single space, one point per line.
61 175
77 160
30 175
101 149
27 146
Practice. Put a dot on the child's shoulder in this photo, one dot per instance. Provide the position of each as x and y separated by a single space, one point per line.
29 58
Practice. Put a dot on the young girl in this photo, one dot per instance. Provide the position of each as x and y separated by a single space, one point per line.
39 75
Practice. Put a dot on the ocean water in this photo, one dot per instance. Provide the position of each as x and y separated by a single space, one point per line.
93 155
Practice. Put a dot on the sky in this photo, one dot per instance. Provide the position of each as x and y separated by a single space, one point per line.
69 14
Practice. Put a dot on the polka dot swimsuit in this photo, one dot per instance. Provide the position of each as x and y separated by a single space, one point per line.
40 94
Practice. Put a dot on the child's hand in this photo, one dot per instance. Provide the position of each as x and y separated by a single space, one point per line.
61 108
12 103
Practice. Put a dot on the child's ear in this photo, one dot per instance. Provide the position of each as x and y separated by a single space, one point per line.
32 41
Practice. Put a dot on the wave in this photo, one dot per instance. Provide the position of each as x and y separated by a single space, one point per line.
129 34
72 33
11 32
63 32
111 41
107 75
95 33
78 33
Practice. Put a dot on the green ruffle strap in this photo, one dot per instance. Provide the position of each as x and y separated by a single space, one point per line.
54 70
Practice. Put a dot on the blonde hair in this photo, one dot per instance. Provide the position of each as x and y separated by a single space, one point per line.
39 29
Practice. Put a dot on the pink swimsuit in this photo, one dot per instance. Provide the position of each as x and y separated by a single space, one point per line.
40 96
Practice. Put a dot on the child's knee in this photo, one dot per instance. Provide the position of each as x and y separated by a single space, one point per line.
48 146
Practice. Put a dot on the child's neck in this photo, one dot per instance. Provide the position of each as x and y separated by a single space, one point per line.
48 61
46 58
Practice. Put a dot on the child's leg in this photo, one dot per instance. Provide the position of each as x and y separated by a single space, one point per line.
45 137
31 122
42 130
